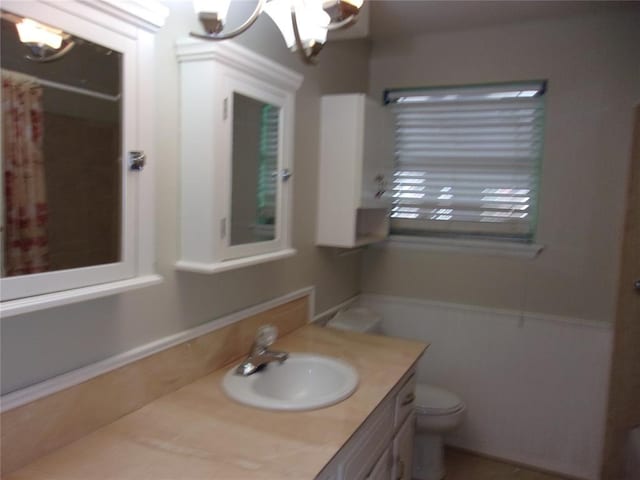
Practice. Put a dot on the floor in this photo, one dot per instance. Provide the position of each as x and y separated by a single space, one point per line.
464 466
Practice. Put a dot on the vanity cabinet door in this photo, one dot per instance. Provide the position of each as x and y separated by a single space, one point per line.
328 474
382 469
365 447
403 450
405 400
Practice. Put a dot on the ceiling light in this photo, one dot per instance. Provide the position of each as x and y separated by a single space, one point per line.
45 43
31 31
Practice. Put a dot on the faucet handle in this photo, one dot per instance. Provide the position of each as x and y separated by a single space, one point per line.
266 336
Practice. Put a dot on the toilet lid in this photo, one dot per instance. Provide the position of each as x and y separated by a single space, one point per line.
357 319
434 400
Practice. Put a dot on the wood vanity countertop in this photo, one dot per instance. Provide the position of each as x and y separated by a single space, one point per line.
196 432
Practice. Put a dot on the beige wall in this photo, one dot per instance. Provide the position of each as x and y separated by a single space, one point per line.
593 68
41 345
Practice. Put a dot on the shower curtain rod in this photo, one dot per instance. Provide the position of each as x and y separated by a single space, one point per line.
78 90
63 86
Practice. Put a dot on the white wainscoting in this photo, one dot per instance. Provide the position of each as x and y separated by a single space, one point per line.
535 385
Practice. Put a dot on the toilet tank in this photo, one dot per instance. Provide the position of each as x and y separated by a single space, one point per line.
357 319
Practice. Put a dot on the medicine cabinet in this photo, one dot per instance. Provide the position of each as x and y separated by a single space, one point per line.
236 178
77 204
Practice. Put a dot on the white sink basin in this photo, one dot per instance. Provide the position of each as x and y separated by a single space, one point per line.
302 382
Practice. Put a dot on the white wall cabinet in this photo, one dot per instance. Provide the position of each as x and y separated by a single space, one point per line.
237 131
382 448
356 161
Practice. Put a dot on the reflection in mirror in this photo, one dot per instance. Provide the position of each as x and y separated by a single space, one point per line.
254 165
61 154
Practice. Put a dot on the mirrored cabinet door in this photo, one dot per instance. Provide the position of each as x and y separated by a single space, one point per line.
67 127
255 171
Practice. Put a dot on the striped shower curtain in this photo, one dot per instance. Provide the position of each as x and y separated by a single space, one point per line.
25 205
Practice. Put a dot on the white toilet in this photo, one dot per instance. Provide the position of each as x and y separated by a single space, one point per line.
437 410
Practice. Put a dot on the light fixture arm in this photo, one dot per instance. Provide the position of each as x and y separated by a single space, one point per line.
308 55
241 29
347 22
344 13
59 54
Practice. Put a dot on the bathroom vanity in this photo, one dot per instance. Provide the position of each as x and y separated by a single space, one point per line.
198 432
382 448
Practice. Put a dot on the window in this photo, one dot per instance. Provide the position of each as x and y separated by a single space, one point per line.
467 160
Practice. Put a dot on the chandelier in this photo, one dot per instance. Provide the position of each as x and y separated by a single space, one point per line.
303 23
44 43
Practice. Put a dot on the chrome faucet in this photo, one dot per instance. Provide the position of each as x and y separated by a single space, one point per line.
260 354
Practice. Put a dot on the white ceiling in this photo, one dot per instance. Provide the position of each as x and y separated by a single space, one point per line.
390 18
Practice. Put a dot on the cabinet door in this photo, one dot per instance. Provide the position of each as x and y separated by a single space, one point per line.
377 161
254 197
329 473
405 400
382 469
403 450
366 445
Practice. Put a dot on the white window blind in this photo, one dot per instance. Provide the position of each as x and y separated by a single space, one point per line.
467 159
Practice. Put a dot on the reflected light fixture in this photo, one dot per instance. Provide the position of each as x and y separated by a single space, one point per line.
303 23
45 43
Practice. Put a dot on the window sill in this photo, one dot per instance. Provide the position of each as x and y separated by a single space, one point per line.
56 299
217 267
457 245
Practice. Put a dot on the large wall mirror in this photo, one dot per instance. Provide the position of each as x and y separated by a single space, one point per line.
76 120
61 154
69 201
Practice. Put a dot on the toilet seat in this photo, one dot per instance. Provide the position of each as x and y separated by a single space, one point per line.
432 400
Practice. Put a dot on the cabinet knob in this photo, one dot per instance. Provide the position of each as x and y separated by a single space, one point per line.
636 285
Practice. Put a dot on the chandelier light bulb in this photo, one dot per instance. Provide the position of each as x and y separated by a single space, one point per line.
34 33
